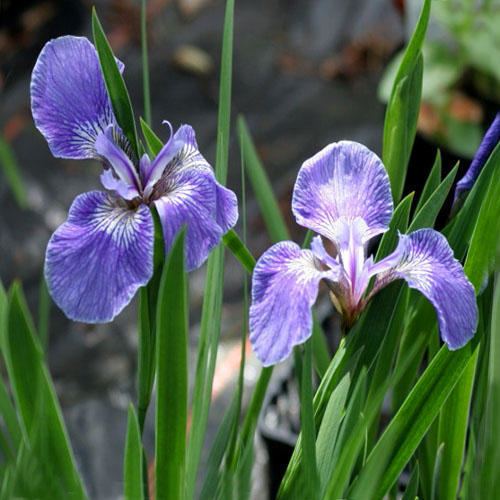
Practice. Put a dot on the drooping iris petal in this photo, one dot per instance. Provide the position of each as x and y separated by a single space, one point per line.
284 288
188 157
342 182
69 101
425 260
99 257
190 199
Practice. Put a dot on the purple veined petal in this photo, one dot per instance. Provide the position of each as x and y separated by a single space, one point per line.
344 181
488 144
187 158
285 286
121 164
190 199
69 100
387 263
351 247
119 187
156 168
99 257
190 158
425 260
226 208
144 166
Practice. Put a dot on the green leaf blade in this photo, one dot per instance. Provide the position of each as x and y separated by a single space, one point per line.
427 215
212 302
133 472
307 424
234 244
153 142
12 173
41 417
455 415
412 488
172 376
431 183
406 430
329 430
148 297
118 93
261 185
403 107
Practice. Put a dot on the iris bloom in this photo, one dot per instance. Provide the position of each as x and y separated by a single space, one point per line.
343 194
103 253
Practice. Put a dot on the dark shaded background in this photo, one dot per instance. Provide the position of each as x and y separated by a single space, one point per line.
305 74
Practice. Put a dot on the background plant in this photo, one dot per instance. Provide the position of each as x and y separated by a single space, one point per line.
461 79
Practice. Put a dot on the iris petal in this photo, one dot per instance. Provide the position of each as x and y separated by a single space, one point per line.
154 170
190 199
189 158
188 193
343 182
69 100
119 187
488 144
284 288
117 160
99 257
319 250
425 260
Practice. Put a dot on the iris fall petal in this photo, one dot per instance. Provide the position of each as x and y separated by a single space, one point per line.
284 288
99 257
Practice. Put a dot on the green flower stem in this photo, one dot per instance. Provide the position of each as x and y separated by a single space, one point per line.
147 327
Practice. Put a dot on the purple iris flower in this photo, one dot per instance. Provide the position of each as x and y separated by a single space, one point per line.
488 144
343 193
103 253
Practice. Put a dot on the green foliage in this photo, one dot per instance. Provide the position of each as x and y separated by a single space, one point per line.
133 470
307 424
261 185
118 93
485 480
431 183
403 107
212 303
153 142
328 433
41 461
426 216
234 244
11 170
412 488
455 416
145 63
172 376
464 48
148 299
